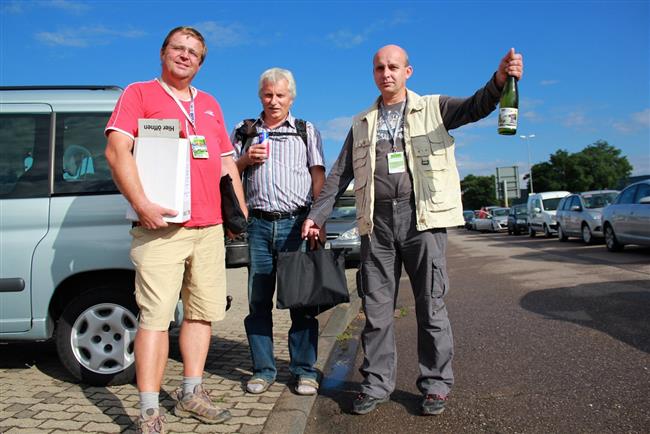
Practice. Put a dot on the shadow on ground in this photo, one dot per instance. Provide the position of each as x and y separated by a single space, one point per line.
619 309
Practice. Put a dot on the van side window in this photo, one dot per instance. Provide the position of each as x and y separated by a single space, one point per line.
24 144
80 165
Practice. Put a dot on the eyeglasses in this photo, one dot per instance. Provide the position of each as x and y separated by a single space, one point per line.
192 54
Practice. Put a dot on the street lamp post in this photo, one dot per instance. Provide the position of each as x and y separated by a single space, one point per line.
530 168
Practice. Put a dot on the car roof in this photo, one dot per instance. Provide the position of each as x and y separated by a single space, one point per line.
80 98
551 194
584 193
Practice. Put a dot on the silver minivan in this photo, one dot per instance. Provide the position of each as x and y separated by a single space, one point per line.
65 271
627 219
580 215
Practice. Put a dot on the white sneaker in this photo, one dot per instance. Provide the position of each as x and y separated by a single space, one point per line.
257 386
307 386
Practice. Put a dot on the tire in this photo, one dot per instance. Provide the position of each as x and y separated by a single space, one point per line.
547 232
531 232
560 234
587 236
95 336
610 240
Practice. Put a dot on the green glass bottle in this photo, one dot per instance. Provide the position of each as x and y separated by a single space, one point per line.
509 107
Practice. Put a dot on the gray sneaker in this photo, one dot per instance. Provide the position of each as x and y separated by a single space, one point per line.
152 423
199 406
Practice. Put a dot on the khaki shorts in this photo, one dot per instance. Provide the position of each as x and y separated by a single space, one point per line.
177 260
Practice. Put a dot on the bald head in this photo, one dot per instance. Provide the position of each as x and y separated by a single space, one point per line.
391 69
392 50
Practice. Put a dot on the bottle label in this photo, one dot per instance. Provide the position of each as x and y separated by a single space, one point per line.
508 117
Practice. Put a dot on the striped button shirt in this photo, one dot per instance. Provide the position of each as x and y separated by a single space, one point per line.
283 182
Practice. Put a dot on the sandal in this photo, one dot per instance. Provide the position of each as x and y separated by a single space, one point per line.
257 385
307 386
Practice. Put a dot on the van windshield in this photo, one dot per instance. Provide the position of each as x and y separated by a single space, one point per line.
551 204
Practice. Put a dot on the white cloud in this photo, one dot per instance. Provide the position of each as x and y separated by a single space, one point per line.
642 118
12 7
85 36
18 6
466 166
575 119
640 163
636 121
532 115
549 82
347 39
336 129
70 6
224 35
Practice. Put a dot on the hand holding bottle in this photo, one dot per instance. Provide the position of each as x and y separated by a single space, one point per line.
512 64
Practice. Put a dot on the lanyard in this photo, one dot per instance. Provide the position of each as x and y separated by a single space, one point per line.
191 116
392 132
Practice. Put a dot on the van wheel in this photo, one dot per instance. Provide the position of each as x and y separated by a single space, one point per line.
610 240
547 232
531 232
560 234
95 336
587 237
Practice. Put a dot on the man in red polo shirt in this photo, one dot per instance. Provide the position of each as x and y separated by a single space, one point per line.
169 258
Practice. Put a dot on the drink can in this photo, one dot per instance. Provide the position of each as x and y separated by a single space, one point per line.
263 139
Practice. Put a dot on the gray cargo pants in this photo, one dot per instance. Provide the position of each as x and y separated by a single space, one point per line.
393 242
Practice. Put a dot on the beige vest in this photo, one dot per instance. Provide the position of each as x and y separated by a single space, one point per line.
430 156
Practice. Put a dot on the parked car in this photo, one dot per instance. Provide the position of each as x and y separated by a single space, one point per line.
342 230
541 212
468 216
627 219
497 220
518 219
65 270
579 215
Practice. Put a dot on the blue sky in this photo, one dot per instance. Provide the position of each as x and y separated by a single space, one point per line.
587 63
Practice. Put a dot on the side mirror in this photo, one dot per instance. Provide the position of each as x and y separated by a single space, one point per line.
576 208
536 210
645 200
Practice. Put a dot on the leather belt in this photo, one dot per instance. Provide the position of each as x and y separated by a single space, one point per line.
273 216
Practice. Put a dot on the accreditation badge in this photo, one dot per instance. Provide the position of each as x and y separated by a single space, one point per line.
396 162
199 147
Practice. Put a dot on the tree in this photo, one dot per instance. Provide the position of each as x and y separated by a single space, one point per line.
603 166
598 166
478 191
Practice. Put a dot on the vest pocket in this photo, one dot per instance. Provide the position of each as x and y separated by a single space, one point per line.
436 144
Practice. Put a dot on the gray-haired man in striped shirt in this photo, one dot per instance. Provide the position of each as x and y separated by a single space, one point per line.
281 178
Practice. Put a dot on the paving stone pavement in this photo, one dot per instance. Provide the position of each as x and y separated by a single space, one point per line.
37 395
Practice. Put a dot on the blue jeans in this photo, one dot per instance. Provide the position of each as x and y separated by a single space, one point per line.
265 240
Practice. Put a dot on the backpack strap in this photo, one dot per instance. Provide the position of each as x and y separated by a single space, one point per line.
247 131
301 127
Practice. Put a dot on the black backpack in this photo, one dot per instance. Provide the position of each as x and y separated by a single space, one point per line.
247 131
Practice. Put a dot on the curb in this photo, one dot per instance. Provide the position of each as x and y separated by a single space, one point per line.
290 413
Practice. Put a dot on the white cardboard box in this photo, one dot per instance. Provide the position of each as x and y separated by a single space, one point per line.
164 169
